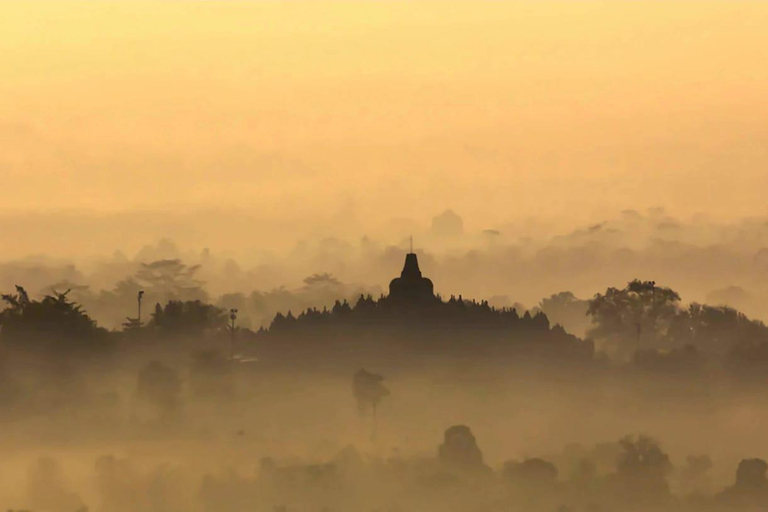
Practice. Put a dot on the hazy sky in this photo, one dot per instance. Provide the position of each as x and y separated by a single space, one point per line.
385 108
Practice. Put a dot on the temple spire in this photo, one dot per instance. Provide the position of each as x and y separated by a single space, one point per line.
411 284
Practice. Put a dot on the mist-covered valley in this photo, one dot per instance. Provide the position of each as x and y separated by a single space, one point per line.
307 382
382 256
173 432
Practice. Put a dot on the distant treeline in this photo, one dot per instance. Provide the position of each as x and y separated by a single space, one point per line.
642 324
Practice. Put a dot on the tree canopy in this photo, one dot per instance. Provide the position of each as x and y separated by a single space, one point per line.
55 319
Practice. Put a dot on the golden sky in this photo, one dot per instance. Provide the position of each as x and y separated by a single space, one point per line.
385 108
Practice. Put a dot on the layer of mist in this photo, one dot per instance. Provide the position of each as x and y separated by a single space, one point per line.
293 382
515 263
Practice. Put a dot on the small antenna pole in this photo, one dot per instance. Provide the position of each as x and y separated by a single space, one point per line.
411 244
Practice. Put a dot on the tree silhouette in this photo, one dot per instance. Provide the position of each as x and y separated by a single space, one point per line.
190 318
750 492
531 472
715 329
162 281
642 469
172 277
53 320
639 313
369 391
459 450
566 309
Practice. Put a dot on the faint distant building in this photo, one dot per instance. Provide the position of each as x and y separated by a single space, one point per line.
448 224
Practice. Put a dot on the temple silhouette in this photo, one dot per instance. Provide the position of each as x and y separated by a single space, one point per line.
413 321
411 285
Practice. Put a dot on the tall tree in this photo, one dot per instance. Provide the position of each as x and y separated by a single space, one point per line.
637 315
369 391
171 277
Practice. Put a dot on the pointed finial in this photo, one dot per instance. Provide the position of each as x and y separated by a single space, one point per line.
411 244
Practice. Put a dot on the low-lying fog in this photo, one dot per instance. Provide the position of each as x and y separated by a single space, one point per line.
178 435
665 417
